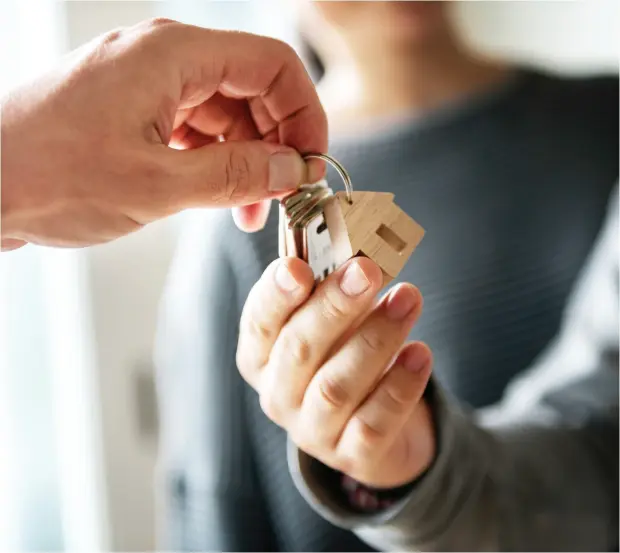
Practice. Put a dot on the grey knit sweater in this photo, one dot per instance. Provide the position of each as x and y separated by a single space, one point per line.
512 190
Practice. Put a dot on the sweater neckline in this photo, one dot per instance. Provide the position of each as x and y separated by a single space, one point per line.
397 126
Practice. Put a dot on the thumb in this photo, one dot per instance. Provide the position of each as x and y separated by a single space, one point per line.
228 174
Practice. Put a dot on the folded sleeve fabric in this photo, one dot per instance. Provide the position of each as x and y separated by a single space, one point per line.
536 472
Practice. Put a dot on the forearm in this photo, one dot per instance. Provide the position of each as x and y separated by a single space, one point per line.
520 486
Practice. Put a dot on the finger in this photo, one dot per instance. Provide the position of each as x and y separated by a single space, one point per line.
10 244
186 138
227 174
206 123
252 218
221 116
285 284
271 131
357 323
308 337
347 378
241 65
374 427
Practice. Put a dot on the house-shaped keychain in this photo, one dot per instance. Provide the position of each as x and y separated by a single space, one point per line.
326 229
372 225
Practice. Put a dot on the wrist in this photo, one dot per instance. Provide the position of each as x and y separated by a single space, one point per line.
368 499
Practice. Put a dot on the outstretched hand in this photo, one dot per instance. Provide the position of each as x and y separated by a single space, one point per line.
332 369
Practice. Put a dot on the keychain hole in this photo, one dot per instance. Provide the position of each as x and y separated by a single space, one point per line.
321 228
391 238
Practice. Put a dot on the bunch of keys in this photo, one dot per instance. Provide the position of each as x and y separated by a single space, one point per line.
325 229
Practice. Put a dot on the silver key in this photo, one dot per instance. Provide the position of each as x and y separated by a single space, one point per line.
326 229
303 232
318 248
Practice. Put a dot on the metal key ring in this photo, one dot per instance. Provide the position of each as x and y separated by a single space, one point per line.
341 171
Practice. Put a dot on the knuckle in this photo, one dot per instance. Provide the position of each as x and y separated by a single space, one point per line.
101 48
110 37
295 347
257 330
156 22
373 340
394 399
365 436
155 26
237 174
157 32
332 307
332 392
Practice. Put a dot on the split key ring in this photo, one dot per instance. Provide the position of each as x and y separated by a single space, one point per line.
341 171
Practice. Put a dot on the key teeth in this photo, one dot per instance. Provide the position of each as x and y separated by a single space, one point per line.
320 276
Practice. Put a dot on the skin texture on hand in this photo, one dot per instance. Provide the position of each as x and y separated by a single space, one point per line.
331 369
150 120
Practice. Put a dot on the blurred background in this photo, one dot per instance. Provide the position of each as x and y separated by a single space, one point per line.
78 424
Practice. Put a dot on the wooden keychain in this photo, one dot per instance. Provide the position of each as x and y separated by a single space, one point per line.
326 229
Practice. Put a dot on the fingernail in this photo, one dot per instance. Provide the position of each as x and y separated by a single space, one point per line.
285 280
401 303
354 282
416 358
286 171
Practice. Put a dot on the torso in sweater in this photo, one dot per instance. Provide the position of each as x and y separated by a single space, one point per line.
512 191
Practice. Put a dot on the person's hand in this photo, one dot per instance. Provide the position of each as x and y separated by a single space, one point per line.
332 370
130 129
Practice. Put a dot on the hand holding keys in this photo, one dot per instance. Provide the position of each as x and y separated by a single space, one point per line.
332 366
326 229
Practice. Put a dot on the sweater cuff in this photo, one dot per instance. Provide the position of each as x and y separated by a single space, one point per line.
325 495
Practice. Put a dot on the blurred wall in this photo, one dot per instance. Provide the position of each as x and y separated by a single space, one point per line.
568 36
126 277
